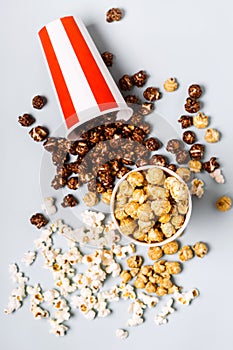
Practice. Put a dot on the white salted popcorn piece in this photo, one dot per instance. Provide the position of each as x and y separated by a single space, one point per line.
13 269
29 258
137 308
114 269
122 334
92 218
95 272
159 320
186 297
57 328
13 305
127 291
218 176
62 315
167 309
104 313
50 295
48 206
92 259
90 315
39 312
148 300
134 321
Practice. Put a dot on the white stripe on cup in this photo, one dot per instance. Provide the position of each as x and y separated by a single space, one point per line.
75 79
102 66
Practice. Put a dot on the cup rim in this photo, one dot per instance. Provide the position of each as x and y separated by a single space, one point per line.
167 240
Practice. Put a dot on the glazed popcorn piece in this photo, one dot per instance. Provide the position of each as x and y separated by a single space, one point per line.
38 102
114 14
211 165
107 58
212 135
195 166
122 334
192 105
38 220
39 133
170 85
194 91
139 78
200 121
186 121
26 120
200 249
170 248
90 199
223 203
197 188
152 94
185 253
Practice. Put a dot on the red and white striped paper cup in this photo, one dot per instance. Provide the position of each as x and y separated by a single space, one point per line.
84 86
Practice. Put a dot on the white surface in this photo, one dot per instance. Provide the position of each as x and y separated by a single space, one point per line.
186 39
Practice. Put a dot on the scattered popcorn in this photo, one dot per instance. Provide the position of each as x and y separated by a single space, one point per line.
29 258
39 313
48 206
218 176
127 291
148 300
197 188
92 218
50 295
167 309
134 321
57 328
90 315
114 269
122 334
186 297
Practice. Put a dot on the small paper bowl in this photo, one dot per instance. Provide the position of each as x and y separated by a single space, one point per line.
157 244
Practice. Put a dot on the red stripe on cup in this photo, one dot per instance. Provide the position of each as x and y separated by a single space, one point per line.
60 85
95 79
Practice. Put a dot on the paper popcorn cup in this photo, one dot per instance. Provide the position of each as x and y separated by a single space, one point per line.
84 86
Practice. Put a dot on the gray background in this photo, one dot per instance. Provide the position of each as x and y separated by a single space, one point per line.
186 39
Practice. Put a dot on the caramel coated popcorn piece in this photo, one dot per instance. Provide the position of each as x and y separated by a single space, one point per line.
173 267
128 225
38 102
155 176
38 220
200 121
184 173
170 85
197 188
224 203
135 179
161 206
134 261
161 291
26 120
90 199
125 276
150 287
195 166
212 135
114 14
144 212
170 248
106 197
155 253
200 249
159 266
131 209
185 253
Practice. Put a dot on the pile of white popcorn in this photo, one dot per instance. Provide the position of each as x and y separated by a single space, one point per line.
83 290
